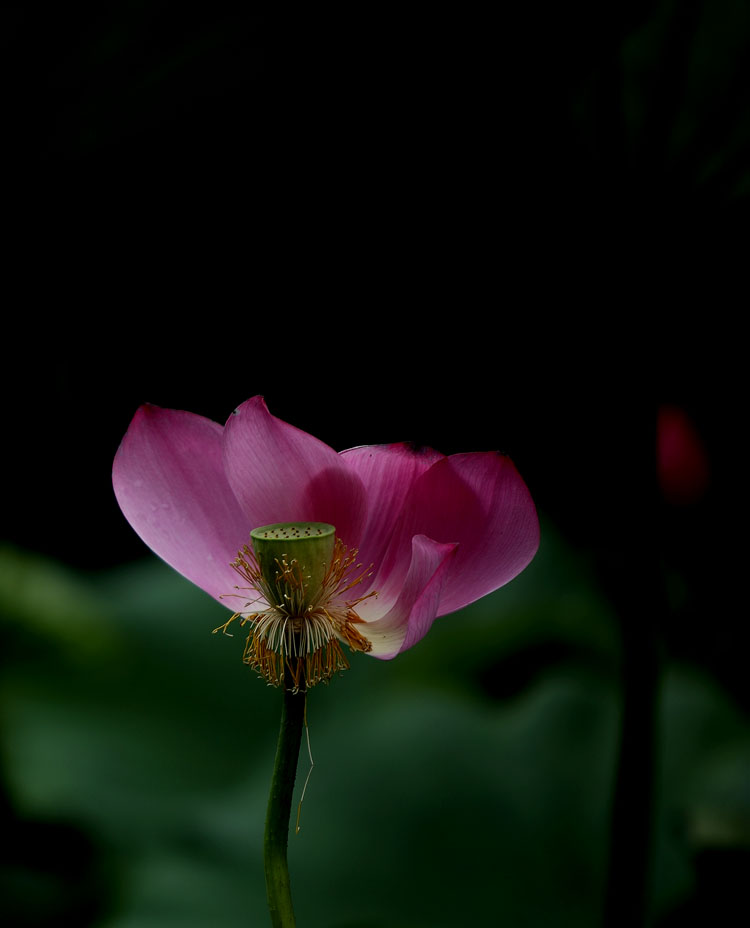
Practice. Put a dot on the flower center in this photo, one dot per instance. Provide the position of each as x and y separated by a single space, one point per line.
301 576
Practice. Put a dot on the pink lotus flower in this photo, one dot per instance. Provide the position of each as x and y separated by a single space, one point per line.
418 534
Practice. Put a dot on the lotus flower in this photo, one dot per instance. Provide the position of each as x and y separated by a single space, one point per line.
365 547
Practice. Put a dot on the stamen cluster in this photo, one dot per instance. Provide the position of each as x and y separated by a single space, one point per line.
295 638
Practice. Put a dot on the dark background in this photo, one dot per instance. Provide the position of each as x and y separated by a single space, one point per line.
521 231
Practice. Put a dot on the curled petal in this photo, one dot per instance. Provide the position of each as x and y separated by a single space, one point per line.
479 502
388 473
281 474
169 480
412 613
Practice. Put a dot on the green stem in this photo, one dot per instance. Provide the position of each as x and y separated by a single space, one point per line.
278 889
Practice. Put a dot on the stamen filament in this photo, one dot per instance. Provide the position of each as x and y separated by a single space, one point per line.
297 624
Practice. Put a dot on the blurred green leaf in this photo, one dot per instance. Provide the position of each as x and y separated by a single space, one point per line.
52 606
432 801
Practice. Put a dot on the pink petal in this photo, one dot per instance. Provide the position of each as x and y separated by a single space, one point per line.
388 473
480 502
281 474
416 606
169 480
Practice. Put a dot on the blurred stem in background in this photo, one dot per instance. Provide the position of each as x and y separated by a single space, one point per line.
278 888
632 573
631 845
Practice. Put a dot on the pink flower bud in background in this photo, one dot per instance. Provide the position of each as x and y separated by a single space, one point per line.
682 461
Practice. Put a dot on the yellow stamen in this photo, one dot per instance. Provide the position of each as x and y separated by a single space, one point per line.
294 638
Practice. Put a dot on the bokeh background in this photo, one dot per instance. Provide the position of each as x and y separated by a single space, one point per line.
522 231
